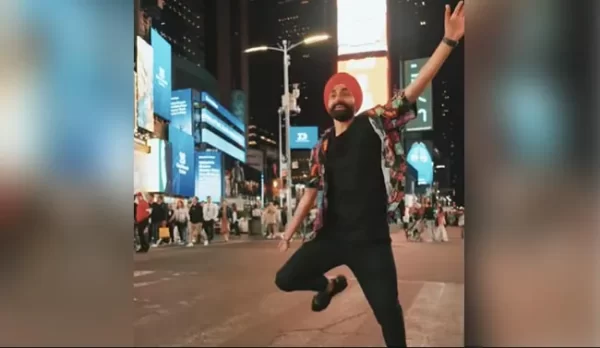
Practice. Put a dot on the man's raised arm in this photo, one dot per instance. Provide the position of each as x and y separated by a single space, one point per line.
454 29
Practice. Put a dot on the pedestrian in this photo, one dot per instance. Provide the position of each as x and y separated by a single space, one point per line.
225 217
235 220
211 213
142 217
429 215
196 221
181 217
170 223
270 220
440 234
352 223
158 219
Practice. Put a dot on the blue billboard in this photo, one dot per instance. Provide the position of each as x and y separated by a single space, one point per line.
181 110
209 175
219 143
303 138
208 117
162 75
420 158
181 163
222 111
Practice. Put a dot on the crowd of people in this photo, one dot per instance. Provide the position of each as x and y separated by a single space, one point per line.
195 222
426 222
183 223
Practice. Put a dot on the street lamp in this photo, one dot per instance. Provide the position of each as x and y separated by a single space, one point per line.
285 48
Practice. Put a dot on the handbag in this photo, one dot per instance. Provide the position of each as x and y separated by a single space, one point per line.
163 232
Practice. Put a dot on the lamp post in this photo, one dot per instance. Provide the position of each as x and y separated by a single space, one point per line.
285 48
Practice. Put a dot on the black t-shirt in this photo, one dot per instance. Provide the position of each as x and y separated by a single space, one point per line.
196 214
357 197
159 212
429 213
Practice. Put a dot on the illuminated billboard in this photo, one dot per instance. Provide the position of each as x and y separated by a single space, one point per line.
424 119
372 75
145 85
420 158
361 26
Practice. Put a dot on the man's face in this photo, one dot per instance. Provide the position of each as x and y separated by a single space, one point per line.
159 199
341 103
195 201
208 199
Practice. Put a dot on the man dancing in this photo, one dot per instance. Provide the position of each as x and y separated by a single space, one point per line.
356 177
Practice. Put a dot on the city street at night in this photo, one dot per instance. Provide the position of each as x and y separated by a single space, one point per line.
224 295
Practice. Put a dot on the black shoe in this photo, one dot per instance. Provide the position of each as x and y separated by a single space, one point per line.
322 300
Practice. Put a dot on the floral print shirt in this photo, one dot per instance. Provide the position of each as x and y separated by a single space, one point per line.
388 122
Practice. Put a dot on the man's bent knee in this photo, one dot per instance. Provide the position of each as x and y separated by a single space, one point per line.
284 281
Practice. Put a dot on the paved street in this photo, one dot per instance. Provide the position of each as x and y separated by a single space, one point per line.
224 295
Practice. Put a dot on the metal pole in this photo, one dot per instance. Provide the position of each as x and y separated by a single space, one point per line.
288 152
280 156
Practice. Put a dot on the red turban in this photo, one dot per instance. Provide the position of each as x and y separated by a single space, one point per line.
350 82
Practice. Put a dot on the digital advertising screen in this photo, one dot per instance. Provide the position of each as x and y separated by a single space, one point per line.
372 75
303 138
145 85
162 75
181 179
216 141
424 120
154 173
209 118
135 101
221 111
209 175
181 110
420 158
361 26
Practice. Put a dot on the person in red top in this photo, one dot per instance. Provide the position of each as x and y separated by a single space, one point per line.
142 216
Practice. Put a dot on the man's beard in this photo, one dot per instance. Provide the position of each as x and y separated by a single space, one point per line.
342 115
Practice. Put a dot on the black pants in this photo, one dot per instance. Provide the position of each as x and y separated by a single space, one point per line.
144 243
172 231
373 266
235 228
209 227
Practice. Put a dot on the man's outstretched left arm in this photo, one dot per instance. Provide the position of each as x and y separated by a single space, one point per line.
398 111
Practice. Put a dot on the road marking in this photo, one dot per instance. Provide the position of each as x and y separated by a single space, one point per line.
142 284
141 273
436 317
400 281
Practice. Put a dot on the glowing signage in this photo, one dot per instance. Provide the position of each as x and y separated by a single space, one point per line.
372 75
424 119
361 26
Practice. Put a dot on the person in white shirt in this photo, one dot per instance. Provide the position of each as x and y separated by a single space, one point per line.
211 214
270 219
181 217
461 222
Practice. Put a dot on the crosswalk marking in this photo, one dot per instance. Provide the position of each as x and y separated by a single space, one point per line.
141 273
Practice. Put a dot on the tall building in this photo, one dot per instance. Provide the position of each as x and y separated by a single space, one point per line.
262 139
182 23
